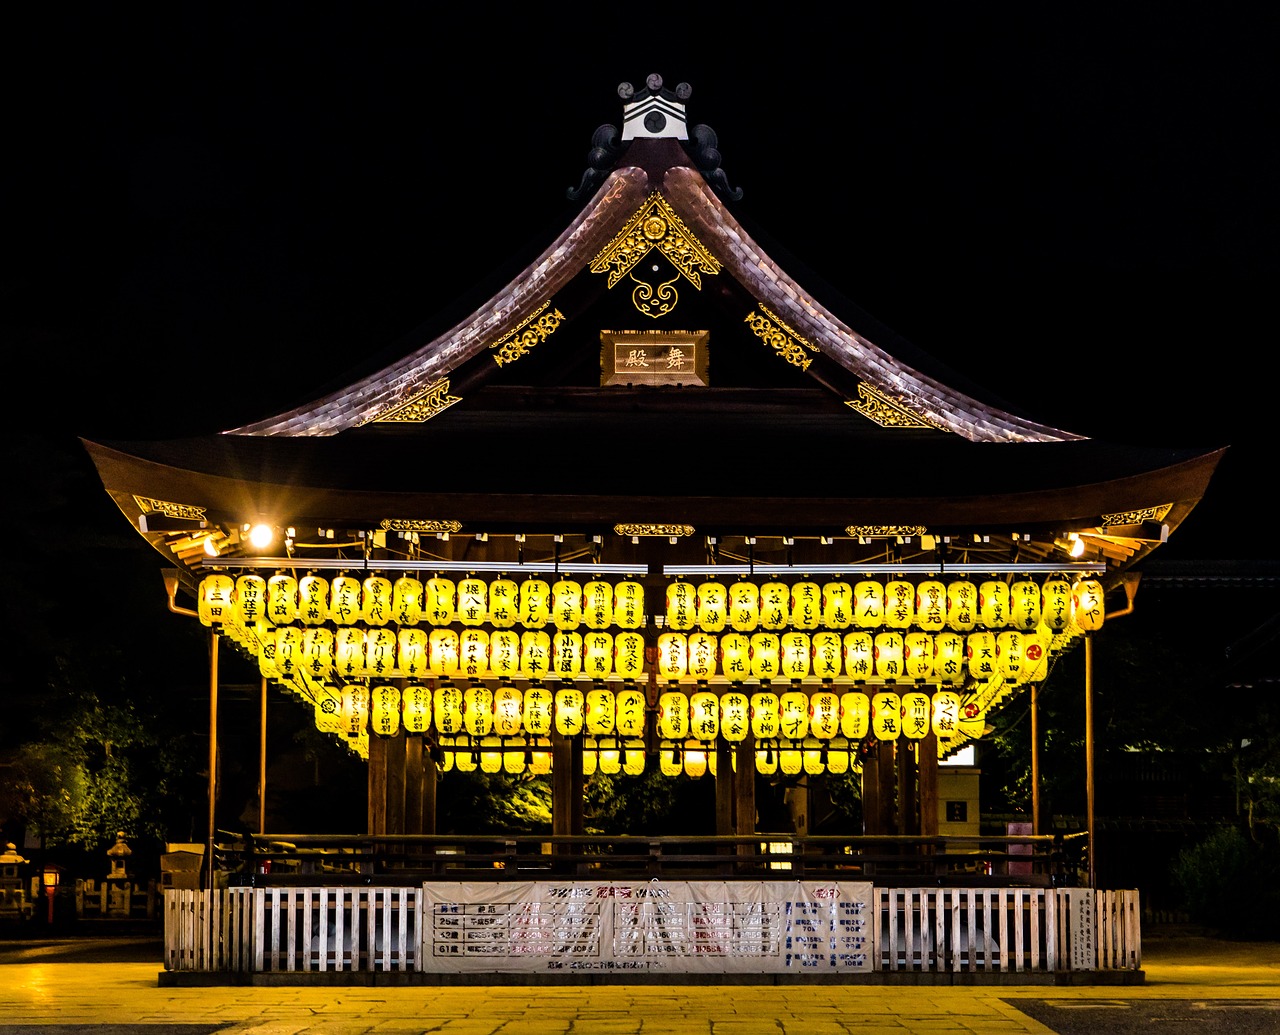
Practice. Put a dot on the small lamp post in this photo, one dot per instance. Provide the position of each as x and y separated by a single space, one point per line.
49 877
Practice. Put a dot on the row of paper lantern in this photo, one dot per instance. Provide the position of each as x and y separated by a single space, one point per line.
376 601
349 652
611 756
478 712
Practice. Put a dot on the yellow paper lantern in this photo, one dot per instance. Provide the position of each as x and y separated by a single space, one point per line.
766 760
795 648
282 599
889 647
855 715
791 760
1038 656
601 713
540 760
899 604
744 606
1087 607
827 652
1024 605
597 604
794 711
267 652
313 599
379 651
375 600
838 757
962 606
695 760
824 714
948 657
472 608
442 652
766 718
447 709
465 758
344 600
441 600
216 600
328 710
289 656
946 713
837 605
355 711
566 654
704 715
917 655
317 652
504 603
491 755
597 655
673 715
513 762
735 716
406 600
415 708
566 604
681 605
348 650
886 715
670 760
384 711
504 653
980 649
806 605
702 655
712 606
628 605
764 654
916 715
629 707
473 653
993 603
775 606
931 606
868 604
535 653
535 603
812 755
1055 604
628 655
251 598
477 710
507 711
1011 655
673 655
570 711
411 652
610 757
735 656
633 757
537 710
859 655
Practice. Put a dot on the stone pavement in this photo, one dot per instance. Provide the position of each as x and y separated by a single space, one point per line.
1194 983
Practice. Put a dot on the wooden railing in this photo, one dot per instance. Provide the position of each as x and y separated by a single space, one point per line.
280 860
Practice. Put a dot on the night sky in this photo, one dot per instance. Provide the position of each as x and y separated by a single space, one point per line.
212 210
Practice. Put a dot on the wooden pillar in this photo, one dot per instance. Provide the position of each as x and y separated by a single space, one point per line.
908 799
213 758
1037 823
377 787
577 785
871 793
927 777
396 783
725 791
262 757
744 785
888 821
1088 758
413 783
430 780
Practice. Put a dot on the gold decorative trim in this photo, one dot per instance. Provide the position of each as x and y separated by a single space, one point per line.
533 330
781 338
655 225
650 529
888 413
653 358
419 525
1136 517
885 531
174 510
419 407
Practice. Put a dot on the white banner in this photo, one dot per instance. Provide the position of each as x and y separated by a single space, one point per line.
648 927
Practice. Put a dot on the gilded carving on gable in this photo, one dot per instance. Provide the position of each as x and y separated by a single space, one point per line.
888 413
419 407
646 528
186 511
1136 517
775 333
884 531
420 525
533 330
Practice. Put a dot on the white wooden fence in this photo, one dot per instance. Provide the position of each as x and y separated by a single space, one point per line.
926 929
